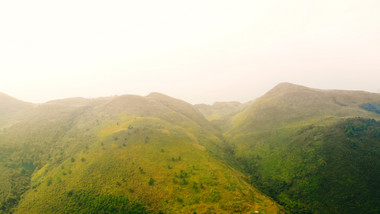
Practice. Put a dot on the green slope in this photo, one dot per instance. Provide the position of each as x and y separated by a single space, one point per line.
120 154
307 149
288 103
313 151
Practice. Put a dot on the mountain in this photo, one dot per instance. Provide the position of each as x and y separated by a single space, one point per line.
11 109
288 103
313 151
126 154
294 150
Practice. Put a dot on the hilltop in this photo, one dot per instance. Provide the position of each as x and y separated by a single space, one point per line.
288 103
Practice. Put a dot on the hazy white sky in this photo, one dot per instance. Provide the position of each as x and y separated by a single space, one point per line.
198 51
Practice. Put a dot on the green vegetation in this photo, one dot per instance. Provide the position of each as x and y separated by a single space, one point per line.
151 181
119 155
309 150
89 202
372 107
312 151
319 167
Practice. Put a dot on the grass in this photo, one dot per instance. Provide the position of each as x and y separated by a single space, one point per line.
128 156
315 166
303 147
307 149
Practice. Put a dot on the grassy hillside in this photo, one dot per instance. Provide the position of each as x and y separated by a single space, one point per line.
312 151
44 135
288 103
121 154
307 149
323 167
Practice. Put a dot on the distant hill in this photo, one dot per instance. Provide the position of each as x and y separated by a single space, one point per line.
221 113
11 109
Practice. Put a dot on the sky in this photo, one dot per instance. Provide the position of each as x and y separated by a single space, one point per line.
199 51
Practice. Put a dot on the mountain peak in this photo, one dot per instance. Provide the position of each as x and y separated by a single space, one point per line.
155 94
285 87
160 96
289 86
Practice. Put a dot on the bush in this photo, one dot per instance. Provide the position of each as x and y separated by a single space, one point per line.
151 181
90 202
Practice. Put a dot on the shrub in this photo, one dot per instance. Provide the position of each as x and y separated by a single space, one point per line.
151 181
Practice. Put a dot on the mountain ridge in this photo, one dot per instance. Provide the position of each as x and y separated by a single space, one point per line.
158 153
153 151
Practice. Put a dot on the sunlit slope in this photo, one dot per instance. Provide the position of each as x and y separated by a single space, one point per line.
149 161
307 149
183 108
120 154
288 103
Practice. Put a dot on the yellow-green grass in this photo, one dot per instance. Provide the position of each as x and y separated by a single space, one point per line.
162 166
287 103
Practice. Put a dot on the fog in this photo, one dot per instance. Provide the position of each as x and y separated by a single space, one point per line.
198 51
